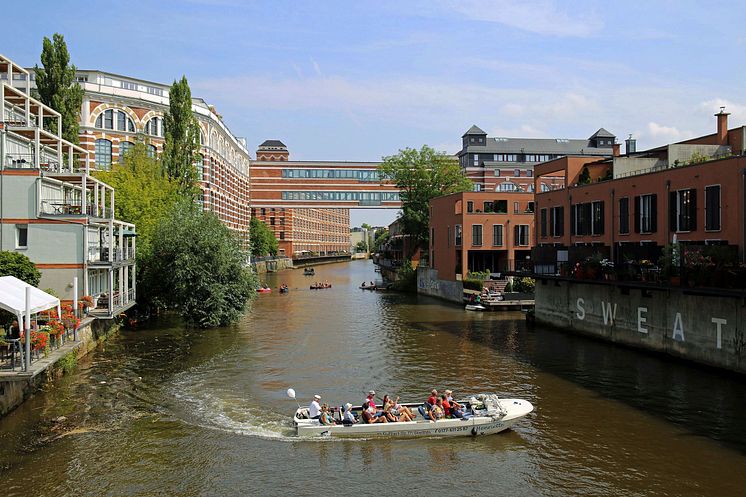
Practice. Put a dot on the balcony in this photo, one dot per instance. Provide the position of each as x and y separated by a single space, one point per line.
62 207
101 254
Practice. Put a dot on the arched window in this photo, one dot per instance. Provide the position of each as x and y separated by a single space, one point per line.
103 154
201 137
125 147
105 120
152 151
199 166
124 123
154 127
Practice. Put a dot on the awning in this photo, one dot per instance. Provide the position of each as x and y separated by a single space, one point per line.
13 298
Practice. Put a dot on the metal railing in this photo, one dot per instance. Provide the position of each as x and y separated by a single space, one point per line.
63 207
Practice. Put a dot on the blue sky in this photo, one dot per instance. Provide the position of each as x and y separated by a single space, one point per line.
360 80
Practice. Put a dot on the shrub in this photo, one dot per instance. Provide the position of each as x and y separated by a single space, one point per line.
524 285
509 287
472 284
20 266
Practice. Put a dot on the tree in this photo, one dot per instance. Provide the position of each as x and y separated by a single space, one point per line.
56 86
181 138
585 176
196 265
144 194
263 241
422 175
361 246
20 266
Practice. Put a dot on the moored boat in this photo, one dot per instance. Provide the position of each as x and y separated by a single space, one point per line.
309 271
475 307
486 415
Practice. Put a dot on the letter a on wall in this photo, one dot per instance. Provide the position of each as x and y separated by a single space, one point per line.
678 328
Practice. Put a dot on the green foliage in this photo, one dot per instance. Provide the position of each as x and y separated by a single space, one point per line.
509 287
406 278
361 246
422 175
381 238
479 275
197 266
51 292
144 194
524 285
697 158
18 265
263 241
56 87
473 284
181 139
366 226
585 176
68 363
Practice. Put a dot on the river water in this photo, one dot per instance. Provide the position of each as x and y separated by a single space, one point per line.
170 411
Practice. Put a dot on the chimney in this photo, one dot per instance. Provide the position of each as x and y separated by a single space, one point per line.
630 145
722 126
615 150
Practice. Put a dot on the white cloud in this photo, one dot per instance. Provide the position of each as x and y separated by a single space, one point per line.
737 111
667 134
543 17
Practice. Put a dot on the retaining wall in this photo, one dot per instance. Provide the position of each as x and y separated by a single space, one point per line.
15 387
704 328
429 284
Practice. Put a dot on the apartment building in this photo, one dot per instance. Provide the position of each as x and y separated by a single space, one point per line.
52 209
632 206
300 231
480 231
499 164
119 111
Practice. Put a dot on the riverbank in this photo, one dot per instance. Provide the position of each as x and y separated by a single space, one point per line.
17 386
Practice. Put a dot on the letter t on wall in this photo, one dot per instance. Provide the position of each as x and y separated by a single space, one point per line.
719 322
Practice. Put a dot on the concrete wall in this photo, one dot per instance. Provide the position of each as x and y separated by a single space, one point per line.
272 266
429 284
704 329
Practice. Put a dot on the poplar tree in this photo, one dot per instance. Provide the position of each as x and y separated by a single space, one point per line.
182 138
56 86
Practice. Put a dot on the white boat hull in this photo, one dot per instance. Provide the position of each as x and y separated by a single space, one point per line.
473 426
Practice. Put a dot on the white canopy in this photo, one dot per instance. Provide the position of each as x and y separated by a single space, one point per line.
13 298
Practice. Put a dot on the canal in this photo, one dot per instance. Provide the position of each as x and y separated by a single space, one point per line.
171 411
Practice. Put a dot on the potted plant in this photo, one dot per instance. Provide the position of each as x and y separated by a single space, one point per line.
86 303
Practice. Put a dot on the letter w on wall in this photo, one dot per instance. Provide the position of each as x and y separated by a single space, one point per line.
609 314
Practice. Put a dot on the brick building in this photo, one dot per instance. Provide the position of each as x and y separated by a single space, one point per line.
630 207
119 111
479 231
298 230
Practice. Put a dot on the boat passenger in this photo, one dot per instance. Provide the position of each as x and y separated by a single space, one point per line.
369 417
428 405
457 410
404 409
437 412
326 417
370 399
314 410
363 285
348 418
446 406
394 411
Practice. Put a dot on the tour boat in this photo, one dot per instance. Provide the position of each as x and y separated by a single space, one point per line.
367 287
486 415
475 307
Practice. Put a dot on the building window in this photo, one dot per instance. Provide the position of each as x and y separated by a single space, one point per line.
624 216
152 151
497 235
21 236
497 173
597 220
521 235
646 213
103 154
124 123
557 221
516 172
712 208
458 235
476 234
125 147
154 127
469 206
507 187
543 223
683 210
544 187
530 207
476 160
500 206
282 235
105 120
128 86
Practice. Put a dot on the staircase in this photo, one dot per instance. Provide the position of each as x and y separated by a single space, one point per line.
496 285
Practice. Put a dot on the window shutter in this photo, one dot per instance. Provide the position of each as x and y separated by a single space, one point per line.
637 214
693 209
653 213
516 233
672 211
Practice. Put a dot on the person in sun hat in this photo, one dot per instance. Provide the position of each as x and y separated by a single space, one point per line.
314 410
349 417
370 399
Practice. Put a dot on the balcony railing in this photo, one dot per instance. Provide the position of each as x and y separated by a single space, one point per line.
61 207
98 253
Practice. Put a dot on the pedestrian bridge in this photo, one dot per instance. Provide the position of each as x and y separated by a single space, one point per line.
321 184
